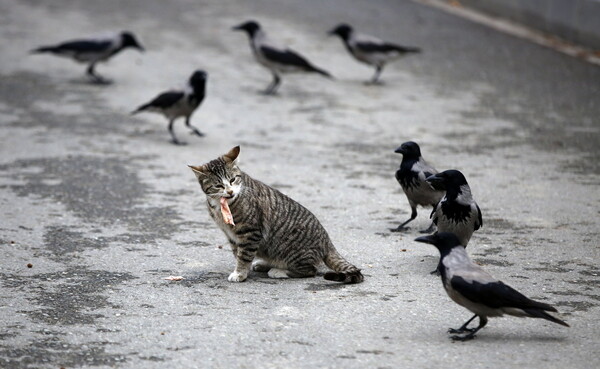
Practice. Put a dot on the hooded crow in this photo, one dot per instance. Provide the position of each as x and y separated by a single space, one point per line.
93 50
411 175
276 59
457 212
179 103
369 49
470 286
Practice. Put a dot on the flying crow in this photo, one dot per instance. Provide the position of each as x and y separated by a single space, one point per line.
179 103
457 212
473 288
411 176
275 58
369 49
93 50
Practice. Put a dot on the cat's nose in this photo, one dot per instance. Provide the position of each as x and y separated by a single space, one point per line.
229 192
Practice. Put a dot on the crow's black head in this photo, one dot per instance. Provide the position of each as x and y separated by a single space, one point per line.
343 30
410 150
447 180
129 40
443 241
199 77
251 27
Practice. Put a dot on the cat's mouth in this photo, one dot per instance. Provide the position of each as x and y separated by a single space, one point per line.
226 212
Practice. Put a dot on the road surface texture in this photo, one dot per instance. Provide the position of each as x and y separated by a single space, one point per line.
103 207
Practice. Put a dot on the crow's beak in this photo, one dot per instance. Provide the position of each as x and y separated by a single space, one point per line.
433 178
436 182
399 150
140 48
237 28
425 239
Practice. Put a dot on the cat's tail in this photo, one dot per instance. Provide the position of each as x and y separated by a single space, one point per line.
343 271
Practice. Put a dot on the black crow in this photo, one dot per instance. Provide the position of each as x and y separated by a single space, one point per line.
369 49
411 175
179 103
457 212
473 288
276 59
93 50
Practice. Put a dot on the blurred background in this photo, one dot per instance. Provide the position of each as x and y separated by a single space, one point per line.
98 207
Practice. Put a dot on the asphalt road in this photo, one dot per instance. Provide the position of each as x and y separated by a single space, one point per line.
103 207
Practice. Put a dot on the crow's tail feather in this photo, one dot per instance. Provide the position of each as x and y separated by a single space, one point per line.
321 72
140 109
537 313
407 49
44 49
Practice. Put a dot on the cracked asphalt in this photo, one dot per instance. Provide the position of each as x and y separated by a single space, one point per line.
98 207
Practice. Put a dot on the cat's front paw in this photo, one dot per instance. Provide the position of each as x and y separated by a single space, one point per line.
237 276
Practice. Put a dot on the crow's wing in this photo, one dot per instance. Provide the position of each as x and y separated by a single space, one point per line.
84 46
495 294
162 101
384 47
287 57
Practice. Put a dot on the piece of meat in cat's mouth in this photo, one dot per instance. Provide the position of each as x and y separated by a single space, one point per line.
225 212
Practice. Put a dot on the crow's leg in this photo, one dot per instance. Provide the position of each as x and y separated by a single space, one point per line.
272 88
375 79
194 129
402 227
482 322
173 138
463 328
96 77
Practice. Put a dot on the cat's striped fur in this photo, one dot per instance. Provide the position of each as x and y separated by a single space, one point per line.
272 232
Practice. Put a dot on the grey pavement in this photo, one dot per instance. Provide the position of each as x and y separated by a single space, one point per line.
103 207
573 20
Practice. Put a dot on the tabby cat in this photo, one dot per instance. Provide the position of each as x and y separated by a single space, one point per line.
268 231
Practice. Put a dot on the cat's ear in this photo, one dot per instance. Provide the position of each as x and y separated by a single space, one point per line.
198 171
232 156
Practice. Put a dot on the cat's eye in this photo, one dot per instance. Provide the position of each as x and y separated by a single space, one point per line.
234 179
